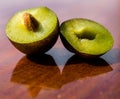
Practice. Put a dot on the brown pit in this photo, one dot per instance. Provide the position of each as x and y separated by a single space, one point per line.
30 22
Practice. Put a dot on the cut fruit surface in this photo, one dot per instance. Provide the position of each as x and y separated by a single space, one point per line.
17 31
84 36
33 29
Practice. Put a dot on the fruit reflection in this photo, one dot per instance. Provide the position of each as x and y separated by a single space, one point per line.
41 72
78 68
37 73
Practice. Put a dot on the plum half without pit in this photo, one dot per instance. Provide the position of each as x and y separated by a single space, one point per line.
33 30
85 37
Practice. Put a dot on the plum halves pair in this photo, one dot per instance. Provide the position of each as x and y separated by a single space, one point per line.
36 30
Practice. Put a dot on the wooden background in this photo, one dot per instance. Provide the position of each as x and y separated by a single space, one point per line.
59 74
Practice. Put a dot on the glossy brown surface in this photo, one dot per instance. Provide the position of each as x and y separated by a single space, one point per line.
60 74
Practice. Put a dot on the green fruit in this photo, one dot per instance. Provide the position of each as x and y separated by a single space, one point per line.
33 30
85 37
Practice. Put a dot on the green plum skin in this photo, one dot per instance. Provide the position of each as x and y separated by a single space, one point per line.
85 37
38 47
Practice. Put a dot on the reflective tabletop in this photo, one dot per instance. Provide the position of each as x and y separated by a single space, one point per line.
60 74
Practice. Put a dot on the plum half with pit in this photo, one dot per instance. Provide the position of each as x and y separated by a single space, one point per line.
33 30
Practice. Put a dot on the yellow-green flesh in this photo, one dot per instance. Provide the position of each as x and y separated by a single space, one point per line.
86 36
17 32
